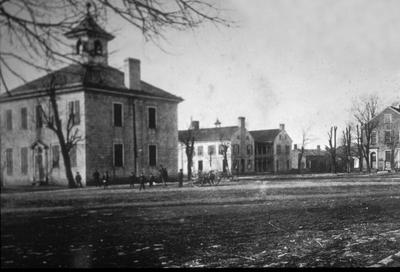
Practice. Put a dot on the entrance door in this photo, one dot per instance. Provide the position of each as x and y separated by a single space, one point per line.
39 169
242 162
200 166
373 160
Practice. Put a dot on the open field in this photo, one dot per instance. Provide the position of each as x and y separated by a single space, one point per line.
307 223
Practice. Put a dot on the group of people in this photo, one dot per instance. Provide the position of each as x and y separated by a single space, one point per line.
142 179
104 180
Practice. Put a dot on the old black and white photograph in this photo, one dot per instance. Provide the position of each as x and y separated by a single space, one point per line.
200 133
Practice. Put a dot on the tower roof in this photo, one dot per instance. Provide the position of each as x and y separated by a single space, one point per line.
88 27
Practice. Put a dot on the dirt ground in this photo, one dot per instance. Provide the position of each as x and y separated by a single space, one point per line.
322 223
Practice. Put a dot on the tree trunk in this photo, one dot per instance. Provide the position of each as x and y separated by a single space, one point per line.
67 166
189 168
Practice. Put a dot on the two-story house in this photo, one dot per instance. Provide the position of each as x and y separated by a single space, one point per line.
385 145
124 123
272 150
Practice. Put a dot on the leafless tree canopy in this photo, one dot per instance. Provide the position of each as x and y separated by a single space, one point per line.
36 27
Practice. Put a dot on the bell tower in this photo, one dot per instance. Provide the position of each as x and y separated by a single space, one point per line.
91 40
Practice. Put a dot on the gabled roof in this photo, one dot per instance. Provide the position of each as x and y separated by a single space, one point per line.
89 27
396 109
267 135
88 75
209 134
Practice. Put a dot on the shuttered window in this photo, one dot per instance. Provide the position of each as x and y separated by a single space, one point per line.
152 155
117 111
118 155
24 160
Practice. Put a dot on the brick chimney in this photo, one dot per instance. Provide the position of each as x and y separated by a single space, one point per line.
282 126
195 125
318 147
295 146
242 122
132 74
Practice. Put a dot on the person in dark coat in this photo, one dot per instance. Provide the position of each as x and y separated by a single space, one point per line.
180 178
96 178
152 180
132 180
78 180
104 180
142 180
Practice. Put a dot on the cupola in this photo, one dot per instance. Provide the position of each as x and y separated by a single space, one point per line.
90 40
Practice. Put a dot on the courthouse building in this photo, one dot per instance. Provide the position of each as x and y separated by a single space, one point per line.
125 123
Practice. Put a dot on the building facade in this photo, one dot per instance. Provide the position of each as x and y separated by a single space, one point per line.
272 150
209 144
248 152
385 145
123 123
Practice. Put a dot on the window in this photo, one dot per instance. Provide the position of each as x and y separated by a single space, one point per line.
373 137
278 149
152 118
78 47
287 164
72 156
117 112
200 150
152 155
280 137
9 120
74 112
24 118
388 156
24 160
9 161
287 150
39 117
235 149
249 149
211 149
98 50
221 149
249 164
264 149
55 150
387 118
118 155
387 137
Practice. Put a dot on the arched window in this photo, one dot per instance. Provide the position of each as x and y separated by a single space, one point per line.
78 47
98 50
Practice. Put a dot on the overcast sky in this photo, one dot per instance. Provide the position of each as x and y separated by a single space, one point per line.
297 62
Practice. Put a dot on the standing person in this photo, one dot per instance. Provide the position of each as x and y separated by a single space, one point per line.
180 178
104 180
96 178
108 181
162 177
152 180
78 180
165 175
142 180
132 180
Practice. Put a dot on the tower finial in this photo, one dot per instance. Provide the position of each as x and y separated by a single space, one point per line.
88 6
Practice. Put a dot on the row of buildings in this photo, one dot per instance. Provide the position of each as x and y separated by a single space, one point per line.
116 122
246 151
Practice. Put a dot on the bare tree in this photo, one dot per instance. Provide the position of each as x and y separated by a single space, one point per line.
332 148
304 141
69 135
347 141
188 139
225 145
35 28
364 111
